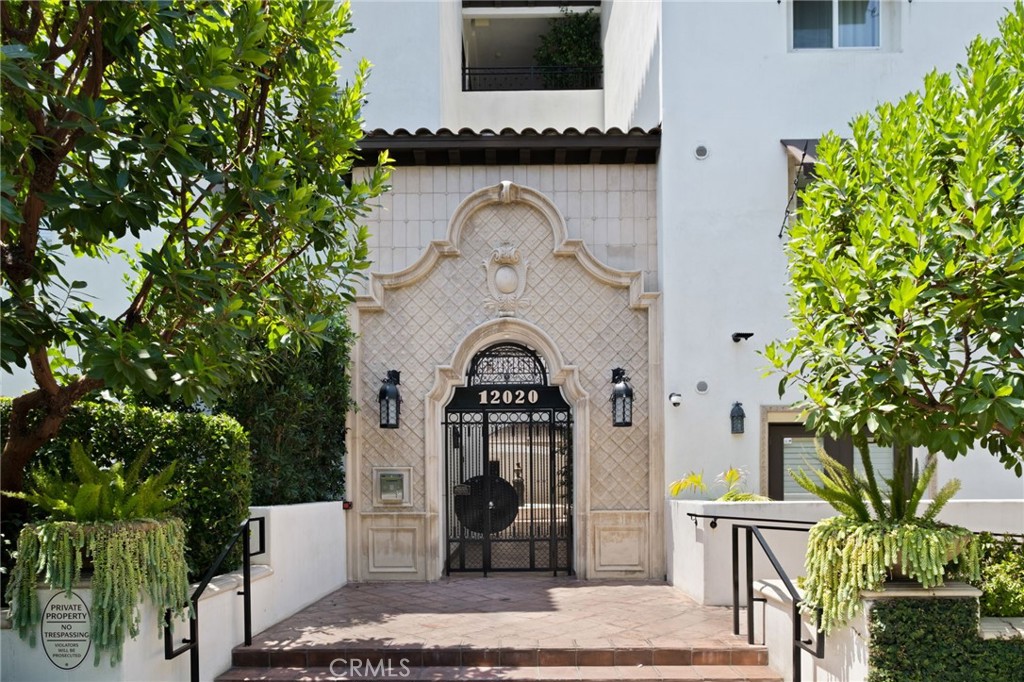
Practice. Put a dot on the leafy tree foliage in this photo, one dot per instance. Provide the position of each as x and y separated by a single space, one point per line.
295 417
907 266
221 131
571 46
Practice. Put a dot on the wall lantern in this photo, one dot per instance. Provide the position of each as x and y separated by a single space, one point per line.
736 417
390 400
622 398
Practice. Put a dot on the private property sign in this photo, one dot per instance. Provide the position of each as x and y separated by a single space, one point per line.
65 628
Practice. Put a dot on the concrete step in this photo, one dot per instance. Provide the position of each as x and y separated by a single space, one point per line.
636 673
463 656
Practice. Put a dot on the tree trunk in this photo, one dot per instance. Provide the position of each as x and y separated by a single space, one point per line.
35 419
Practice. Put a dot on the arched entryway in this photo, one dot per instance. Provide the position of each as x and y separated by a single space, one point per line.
508 486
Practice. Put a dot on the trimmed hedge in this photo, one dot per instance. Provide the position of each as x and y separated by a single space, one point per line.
295 417
926 640
213 471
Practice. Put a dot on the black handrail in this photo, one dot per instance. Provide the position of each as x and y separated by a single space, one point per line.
753 531
714 519
486 78
192 643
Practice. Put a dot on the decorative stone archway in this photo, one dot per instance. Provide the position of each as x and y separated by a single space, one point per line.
561 374
507 271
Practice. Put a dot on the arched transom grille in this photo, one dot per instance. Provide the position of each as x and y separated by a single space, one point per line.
507 364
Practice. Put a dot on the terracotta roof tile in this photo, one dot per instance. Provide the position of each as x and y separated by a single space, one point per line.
508 146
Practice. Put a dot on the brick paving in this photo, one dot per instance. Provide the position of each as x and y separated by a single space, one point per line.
505 611
504 627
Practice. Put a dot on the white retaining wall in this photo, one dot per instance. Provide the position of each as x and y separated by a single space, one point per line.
700 557
305 560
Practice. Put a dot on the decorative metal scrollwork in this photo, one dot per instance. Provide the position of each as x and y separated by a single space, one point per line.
507 364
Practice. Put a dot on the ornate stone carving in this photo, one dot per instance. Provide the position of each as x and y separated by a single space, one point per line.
508 192
506 280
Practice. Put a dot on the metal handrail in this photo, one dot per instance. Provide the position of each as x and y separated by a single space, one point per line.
487 78
753 531
714 519
192 643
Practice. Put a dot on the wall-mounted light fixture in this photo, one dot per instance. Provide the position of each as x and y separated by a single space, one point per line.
736 417
741 336
389 399
622 398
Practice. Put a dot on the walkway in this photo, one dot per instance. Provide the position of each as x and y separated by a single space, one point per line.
506 627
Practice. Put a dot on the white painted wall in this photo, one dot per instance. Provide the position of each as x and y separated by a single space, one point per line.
731 83
700 557
538 109
846 649
402 40
631 63
305 560
421 87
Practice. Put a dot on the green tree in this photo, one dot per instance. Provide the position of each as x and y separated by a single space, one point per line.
570 50
906 264
295 417
218 128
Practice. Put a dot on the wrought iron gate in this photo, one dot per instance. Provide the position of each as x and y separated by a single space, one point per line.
508 439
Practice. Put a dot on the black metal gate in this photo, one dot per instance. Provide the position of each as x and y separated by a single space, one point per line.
508 483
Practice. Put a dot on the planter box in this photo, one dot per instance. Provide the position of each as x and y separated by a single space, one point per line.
846 649
307 560
143 657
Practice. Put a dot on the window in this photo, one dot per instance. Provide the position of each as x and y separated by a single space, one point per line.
835 23
802 155
791 446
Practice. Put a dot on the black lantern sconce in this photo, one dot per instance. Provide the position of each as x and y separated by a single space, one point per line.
622 398
736 417
390 400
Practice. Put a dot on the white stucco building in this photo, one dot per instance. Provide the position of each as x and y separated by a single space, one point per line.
633 223
539 239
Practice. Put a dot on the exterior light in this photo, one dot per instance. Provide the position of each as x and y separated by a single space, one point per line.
736 417
390 400
622 398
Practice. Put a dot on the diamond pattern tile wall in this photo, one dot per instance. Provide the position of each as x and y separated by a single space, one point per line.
422 325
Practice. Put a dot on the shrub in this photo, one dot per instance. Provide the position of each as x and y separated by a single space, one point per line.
295 418
100 494
1002 576
573 41
213 469
925 640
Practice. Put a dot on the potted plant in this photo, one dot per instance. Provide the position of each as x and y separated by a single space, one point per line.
877 538
112 524
570 52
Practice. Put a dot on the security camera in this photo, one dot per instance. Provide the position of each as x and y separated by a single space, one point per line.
675 399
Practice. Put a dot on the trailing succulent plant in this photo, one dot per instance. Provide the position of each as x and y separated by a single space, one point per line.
876 536
118 523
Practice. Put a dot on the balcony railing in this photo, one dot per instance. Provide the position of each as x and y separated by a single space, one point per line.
476 79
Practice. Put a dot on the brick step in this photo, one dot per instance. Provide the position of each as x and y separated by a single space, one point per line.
454 657
636 673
